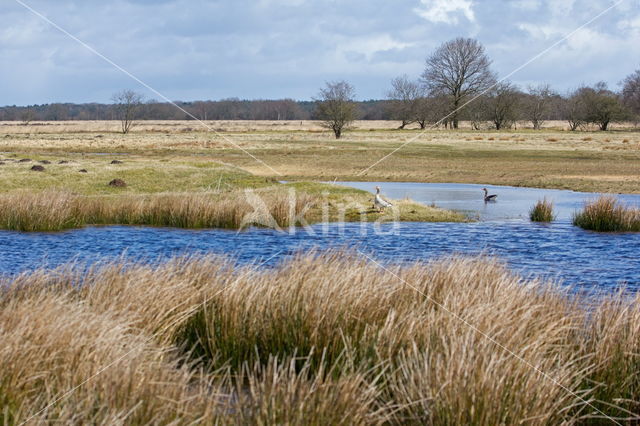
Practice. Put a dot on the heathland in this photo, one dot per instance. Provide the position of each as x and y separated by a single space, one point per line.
550 158
56 176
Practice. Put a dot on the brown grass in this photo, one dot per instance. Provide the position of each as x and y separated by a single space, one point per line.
542 211
321 339
58 210
298 153
607 214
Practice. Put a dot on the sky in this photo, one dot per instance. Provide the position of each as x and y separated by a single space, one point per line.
270 49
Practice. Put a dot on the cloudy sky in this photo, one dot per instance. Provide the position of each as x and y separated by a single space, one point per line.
208 49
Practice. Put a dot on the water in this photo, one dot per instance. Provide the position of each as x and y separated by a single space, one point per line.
587 260
512 202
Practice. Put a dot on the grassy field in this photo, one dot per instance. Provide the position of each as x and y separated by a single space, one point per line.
552 158
73 190
320 339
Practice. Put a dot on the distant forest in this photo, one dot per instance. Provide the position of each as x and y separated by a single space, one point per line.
227 109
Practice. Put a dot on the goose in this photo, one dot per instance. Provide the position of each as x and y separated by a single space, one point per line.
379 202
488 197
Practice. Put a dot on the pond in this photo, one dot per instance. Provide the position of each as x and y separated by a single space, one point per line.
511 203
586 260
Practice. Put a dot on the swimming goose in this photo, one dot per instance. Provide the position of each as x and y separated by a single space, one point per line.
488 197
379 202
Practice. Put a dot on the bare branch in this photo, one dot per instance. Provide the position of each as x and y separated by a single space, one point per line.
335 106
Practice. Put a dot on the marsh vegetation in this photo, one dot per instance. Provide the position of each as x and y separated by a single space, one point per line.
542 211
322 339
606 214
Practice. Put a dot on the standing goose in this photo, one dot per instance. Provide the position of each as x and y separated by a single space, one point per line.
488 197
379 202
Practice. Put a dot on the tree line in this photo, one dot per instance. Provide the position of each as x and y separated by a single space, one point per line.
457 84
225 109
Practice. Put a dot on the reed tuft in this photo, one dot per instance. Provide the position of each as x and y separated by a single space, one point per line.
324 338
606 214
542 211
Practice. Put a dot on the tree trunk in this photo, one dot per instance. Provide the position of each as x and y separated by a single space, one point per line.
454 115
604 126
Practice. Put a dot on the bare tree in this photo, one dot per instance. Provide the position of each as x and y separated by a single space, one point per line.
405 96
602 106
431 110
57 112
573 109
631 93
502 103
27 116
336 107
461 69
537 104
201 110
478 113
127 106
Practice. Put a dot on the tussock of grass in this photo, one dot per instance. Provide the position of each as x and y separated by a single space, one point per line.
542 211
322 339
606 214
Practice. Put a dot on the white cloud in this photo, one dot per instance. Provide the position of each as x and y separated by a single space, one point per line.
369 46
446 11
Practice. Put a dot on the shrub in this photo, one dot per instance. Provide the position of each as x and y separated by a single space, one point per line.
542 211
606 214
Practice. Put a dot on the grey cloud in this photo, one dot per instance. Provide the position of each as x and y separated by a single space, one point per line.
197 49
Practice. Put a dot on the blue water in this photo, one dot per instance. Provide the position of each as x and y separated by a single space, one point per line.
586 260
511 203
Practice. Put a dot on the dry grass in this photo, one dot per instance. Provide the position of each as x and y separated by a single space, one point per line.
177 126
606 214
58 210
542 211
301 152
276 207
321 339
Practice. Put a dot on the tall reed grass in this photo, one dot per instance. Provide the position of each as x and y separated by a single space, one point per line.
542 211
324 338
58 210
607 214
